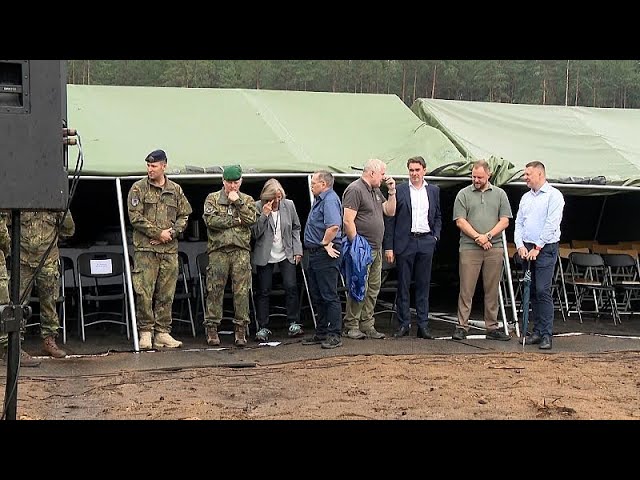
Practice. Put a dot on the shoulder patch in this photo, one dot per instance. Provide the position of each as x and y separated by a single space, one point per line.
208 208
135 201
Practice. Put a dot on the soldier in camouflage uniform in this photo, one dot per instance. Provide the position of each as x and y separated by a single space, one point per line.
228 215
158 211
38 230
26 360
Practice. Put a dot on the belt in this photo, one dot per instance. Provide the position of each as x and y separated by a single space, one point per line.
315 249
419 234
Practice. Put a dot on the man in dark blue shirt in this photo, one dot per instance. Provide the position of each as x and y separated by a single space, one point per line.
323 240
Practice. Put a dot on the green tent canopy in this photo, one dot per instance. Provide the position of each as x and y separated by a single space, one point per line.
578 145
267 131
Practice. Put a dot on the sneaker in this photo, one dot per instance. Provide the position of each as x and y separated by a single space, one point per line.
263 335
459 334
373 333
355 334
332 341
314 340
497 334
295 330
165 340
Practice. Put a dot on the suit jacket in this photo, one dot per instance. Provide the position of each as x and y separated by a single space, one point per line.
398 228
262 232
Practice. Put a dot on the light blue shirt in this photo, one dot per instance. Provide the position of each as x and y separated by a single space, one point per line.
539 216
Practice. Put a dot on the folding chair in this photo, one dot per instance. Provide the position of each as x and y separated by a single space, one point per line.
101 280
389 287
304 263
624 276
202 262
277 291
182 296
60 302
589 277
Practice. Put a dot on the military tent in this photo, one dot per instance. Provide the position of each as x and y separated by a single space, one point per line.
587 152
265 131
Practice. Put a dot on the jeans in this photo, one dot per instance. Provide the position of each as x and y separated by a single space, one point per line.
264 280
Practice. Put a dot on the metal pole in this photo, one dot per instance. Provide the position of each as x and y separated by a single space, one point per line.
127 269
507 269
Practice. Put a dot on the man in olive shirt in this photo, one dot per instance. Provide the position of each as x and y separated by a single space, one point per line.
481 212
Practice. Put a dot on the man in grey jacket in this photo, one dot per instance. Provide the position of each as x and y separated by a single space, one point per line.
277 248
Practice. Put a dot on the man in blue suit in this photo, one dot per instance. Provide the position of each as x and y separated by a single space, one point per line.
410 239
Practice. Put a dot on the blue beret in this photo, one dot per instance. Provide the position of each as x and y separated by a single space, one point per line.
156 156
232 173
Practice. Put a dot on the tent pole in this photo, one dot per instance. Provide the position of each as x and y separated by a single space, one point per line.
127 269
507 269
604 202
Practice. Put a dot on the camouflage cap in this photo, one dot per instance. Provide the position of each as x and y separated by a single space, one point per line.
232 173
156 156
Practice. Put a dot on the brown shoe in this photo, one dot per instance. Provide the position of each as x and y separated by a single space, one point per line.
240 332
212 336
50 347
26 360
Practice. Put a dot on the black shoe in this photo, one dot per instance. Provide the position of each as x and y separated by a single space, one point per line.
332 341
314 340
403 331
545 344
497 335
532 339
459 334
424 332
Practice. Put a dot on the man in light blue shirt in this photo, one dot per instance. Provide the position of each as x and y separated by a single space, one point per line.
536 235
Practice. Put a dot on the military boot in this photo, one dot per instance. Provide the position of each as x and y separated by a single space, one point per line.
165 340
241 339
50 347
26 360
212 336
145 341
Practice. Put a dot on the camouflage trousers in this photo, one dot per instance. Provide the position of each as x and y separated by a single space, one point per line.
222 265
4 294
47 283
4 281
154 277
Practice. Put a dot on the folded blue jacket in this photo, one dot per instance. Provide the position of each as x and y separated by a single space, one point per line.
355 259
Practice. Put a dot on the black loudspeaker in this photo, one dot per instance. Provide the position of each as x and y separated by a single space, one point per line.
33 157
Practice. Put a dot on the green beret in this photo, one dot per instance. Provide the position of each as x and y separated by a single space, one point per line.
232 173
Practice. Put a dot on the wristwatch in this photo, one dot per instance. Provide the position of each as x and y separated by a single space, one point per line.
489 236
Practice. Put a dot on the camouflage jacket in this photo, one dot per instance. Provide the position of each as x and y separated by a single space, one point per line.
153 209
228 224
38 230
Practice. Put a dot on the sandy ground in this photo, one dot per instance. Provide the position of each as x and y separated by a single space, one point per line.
451 387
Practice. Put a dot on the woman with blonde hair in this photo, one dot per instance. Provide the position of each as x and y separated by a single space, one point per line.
277 243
